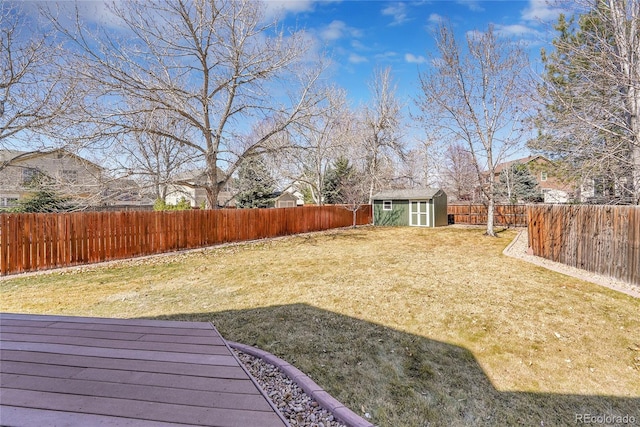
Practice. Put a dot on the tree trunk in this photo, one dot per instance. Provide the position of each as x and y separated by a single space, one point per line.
490 209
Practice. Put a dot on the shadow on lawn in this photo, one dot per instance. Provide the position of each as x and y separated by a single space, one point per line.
399 378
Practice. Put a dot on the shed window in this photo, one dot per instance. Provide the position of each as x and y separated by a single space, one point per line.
387 205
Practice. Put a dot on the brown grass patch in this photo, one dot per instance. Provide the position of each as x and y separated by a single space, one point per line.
413 326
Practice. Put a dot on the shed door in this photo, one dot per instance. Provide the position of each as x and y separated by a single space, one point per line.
419 213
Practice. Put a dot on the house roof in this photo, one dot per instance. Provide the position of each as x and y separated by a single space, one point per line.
407 194
15 156
286 196
525 160
6 155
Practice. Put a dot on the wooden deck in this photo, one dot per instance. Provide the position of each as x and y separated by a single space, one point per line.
87 371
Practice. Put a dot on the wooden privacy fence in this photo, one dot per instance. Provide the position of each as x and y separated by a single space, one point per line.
506 215
601 239
30 242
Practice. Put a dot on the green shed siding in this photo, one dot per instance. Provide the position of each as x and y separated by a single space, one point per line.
398 215
401 210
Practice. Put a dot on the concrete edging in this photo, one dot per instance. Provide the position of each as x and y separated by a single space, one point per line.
337 409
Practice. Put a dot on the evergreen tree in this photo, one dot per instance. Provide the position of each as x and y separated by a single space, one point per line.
161 205
43 197
44 201
336 179
517 184
255 183
591 96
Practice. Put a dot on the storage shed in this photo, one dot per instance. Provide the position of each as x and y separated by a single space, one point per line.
415 207
286 200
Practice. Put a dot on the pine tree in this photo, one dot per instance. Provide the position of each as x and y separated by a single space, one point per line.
517 184
256 184
44 200
591 95
336 179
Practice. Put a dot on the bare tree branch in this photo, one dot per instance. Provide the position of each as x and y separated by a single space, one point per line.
35 92
476 96
215 66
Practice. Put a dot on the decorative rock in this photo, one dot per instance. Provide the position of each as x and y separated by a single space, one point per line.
294 404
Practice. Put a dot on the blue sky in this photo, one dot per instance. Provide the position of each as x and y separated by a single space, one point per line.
363 35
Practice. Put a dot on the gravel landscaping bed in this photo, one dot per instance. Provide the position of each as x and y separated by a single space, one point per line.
292 402
518 249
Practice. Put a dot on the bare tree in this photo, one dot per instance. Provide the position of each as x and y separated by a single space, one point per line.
421 167
215 65
353 192
35 93
155 158
320 139
476 96
381 125
460 177
590 121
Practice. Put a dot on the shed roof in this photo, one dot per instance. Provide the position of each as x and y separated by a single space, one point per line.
286 196
408 194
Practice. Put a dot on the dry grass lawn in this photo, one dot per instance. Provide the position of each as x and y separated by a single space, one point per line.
412 326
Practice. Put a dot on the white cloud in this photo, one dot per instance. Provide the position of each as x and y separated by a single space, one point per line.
540 11
358 45
412 59
334 31
516 30
398 11
473 5
337 30
94 12
386 56
275 8
434 18
354 58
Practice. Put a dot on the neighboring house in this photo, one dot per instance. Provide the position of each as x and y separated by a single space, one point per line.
289 198
415 207
553 189
70 175
189 186
600 190
126 194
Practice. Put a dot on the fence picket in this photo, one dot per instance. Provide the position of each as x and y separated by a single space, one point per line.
504 215
601 239
30 242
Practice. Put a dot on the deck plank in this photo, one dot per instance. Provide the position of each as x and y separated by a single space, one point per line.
135 391
93 333
151 411
135 344
46 318
110 363
61 370
204 359
14 415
